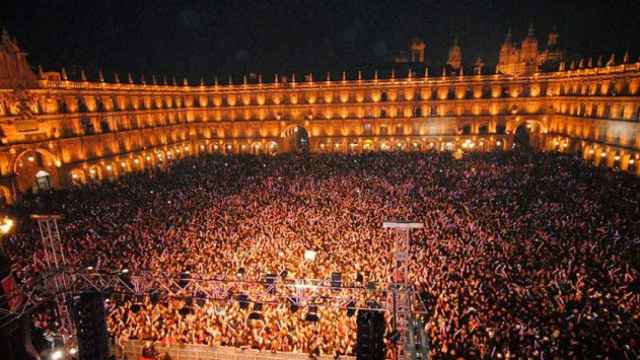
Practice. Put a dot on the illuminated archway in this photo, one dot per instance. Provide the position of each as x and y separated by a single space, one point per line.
33 162
95 173
78 177
43 180
6 197
295 138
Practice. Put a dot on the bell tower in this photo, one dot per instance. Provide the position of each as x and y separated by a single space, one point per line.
417 47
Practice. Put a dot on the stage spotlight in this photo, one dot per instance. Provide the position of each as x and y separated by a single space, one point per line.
243 301
371 285
351 308
185 310
336 280
256 314
184 279
312 314
154 297
270 282
284 274
73 351
394 336
293 304
200 298
135 308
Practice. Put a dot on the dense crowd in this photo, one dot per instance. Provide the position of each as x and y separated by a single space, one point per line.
521 255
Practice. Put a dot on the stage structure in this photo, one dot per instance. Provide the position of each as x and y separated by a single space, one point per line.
60 281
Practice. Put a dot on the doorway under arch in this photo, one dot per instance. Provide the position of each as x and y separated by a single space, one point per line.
522 138
295 139
36 170
43 181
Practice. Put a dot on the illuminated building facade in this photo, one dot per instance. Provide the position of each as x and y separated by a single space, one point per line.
56 131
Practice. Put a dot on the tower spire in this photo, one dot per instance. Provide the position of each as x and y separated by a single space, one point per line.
130 78
509 35
83 76
100 75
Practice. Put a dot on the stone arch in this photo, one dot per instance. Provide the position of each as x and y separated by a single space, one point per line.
368 145
138 163
257 148
124 166
400 146
78 176
416 145
272 147
44 152
295 138
94 172
6 196
29 163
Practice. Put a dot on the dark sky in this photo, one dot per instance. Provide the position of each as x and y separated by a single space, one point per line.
219 37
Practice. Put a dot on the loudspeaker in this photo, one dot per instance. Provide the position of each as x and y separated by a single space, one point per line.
88 315
370 335
336 280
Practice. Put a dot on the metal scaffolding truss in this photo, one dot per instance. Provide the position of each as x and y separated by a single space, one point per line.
138 285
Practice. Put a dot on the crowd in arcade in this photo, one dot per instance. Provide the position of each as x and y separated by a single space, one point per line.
521 255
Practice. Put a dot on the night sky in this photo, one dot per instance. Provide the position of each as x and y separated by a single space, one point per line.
216 37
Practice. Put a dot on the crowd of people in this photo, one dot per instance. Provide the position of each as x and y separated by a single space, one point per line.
521 255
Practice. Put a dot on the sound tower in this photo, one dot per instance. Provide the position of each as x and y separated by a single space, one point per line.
370 335
87 312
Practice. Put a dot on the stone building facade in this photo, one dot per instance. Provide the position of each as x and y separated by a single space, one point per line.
55 131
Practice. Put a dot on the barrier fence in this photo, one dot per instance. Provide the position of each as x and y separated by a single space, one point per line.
133 350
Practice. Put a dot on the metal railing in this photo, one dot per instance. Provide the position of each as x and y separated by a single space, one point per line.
133 350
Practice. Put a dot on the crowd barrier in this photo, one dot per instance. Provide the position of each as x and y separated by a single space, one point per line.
133 350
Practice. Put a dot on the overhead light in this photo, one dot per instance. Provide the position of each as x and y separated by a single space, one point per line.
312 314
6 225
57 355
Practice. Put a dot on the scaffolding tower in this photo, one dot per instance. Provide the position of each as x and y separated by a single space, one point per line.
55 262
400 294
